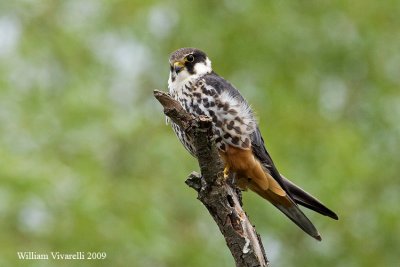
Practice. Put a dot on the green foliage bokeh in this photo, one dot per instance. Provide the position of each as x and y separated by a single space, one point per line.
88 164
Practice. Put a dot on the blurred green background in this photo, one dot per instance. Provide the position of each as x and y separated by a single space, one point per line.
88 164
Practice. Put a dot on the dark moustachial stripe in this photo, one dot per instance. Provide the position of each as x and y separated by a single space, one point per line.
190 67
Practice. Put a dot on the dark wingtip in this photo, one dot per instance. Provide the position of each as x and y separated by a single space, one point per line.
318 237
303 198
326 212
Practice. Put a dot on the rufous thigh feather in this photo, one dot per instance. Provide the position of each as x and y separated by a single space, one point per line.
250 173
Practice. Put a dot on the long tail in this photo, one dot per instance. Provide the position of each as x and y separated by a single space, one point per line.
303 198
253 174
280 199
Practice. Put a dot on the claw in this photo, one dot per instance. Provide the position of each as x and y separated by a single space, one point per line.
226 172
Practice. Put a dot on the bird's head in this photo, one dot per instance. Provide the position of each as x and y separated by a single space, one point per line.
187 62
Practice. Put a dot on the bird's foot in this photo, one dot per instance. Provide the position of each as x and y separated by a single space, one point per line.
226 172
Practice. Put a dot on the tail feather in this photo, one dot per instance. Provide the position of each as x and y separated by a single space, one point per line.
303 198
252 173
298 217
286 205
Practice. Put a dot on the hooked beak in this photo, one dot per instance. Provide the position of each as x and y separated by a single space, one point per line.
178 66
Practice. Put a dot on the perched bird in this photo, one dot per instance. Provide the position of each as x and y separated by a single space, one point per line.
201 91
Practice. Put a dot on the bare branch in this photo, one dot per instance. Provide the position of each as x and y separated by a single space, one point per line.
220 197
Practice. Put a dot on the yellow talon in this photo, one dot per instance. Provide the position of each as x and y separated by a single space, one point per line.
226 172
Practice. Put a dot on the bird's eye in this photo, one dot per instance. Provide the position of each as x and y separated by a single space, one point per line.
190 58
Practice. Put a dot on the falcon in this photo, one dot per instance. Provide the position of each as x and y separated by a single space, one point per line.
201 91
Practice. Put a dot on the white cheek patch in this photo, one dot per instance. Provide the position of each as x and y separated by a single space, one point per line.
203 67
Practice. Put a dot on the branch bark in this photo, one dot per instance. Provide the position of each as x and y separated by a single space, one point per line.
218 195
